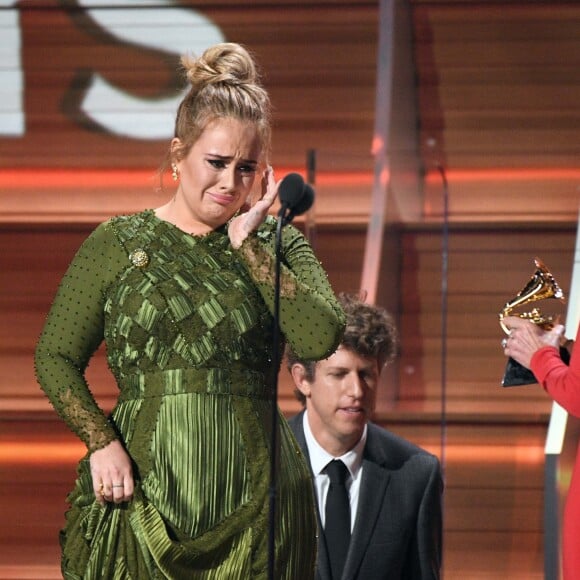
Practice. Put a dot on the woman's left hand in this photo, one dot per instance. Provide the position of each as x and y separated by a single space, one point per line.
526 338
112 474
245 223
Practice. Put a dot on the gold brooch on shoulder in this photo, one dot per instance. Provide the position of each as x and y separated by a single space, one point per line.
139 258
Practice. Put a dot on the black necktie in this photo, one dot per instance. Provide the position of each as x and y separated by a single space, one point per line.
337 517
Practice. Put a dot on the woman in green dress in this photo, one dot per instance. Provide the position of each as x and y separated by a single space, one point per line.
175 483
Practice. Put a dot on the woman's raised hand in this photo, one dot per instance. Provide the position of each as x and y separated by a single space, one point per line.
245 223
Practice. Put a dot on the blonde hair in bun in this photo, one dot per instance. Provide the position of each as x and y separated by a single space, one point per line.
226 63
224 83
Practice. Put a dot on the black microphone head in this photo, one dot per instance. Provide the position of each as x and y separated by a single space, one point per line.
291 190
304 204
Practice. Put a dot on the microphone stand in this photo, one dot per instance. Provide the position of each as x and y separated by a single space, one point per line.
282 221
296 198
444 316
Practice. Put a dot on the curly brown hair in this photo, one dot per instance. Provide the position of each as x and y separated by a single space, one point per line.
370 332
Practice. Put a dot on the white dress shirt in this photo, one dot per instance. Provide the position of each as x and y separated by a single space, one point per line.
319 459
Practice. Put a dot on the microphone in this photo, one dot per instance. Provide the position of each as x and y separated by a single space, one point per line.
296 197
303 205
290 191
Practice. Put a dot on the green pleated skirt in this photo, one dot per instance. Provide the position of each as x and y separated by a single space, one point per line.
201 503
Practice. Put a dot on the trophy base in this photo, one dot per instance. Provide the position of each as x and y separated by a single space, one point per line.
517 375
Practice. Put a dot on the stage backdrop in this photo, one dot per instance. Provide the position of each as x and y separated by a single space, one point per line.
89 89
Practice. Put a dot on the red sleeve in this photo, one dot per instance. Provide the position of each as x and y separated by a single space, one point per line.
562 382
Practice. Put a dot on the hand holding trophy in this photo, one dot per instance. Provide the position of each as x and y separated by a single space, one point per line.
541 286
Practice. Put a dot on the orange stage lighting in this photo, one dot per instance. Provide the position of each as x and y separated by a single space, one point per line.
60 179
501 174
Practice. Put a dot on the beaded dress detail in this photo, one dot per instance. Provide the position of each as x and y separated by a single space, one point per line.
188 329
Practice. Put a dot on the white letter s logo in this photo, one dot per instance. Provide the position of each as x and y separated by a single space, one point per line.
169 29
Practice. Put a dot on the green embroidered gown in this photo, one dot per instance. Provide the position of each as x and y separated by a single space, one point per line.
188 329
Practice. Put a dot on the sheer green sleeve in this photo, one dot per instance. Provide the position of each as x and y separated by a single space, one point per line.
73 331
311 318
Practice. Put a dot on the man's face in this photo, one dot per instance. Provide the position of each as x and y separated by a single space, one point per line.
340 399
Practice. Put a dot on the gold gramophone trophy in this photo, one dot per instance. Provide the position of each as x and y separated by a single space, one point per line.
541 286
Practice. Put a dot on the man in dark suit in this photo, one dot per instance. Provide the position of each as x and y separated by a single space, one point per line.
390 502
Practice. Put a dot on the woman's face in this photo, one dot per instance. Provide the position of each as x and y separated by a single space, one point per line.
217 174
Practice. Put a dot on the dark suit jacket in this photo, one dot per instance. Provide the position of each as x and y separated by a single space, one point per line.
398 527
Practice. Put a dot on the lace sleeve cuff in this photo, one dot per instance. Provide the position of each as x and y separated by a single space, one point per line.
260 263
